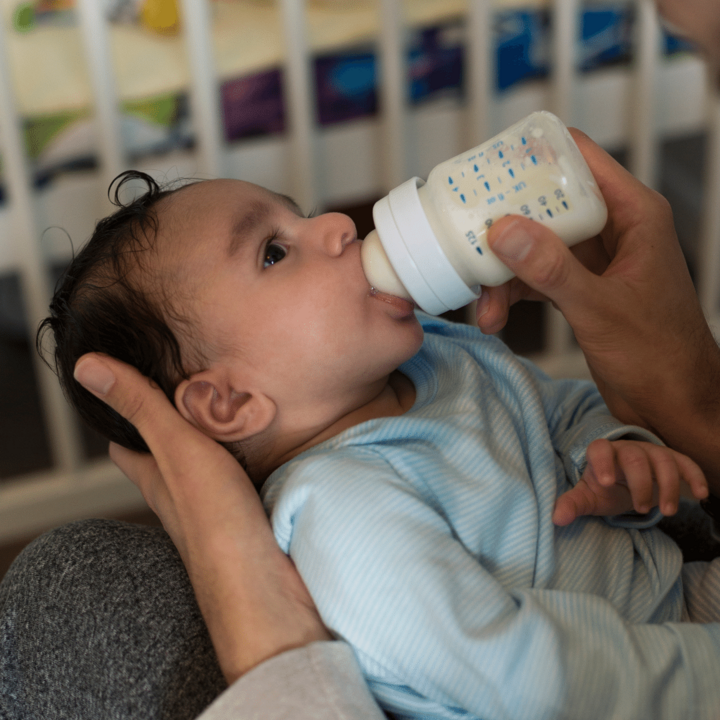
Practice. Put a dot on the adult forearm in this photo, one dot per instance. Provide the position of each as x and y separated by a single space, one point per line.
252 600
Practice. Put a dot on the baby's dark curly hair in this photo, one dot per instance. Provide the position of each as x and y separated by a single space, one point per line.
99 306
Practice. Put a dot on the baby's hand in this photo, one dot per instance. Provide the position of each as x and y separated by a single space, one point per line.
625 475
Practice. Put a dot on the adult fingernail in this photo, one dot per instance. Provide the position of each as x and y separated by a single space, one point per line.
513 243
94 376
483 304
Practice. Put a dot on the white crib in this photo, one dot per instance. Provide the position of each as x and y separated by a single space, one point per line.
634 107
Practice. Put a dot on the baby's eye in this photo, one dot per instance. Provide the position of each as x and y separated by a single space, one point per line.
273 253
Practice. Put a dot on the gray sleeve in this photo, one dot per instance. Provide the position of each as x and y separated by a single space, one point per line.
321 681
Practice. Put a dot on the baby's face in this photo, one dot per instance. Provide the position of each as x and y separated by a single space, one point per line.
280 297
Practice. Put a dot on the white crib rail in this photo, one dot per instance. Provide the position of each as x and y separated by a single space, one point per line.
563 96
643 129
74 488
393 95
204 90
480 72
299 93
96 39
65 448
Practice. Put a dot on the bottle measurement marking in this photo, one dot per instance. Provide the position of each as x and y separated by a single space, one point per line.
510 161
499 154
490 189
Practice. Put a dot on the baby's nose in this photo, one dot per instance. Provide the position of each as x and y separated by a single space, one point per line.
340 232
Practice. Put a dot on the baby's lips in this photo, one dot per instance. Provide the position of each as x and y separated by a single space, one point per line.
407 307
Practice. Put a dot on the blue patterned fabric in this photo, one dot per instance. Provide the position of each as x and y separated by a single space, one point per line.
427 543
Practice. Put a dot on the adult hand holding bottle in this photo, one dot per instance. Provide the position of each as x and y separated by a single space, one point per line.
630 301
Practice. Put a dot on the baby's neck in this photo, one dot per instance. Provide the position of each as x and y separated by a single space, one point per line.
396 398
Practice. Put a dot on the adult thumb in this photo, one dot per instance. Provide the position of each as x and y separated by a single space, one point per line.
126 391
542 261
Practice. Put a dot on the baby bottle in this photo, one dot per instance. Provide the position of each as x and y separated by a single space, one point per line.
430 239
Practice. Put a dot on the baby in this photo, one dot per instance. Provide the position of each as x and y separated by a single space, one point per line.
423 478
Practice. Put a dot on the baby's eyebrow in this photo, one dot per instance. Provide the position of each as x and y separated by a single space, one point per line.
256 215
246 223
287 200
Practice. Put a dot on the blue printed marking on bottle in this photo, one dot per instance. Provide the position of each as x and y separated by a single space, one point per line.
473 177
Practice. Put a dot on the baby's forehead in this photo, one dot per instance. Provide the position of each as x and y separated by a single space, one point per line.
207 194
211 213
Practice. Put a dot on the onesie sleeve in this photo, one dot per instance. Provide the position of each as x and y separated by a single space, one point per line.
321 681
438 636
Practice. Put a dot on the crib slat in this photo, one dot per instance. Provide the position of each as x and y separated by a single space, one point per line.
480 72
96 39
565 26
62 430
392 85
299 94
204 87
565 38
643 128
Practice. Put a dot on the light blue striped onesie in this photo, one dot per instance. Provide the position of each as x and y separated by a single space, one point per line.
426 542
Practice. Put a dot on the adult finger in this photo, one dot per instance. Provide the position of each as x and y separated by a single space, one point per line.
543 262
494 304
143 471
140 402
492 308
140 468
622 191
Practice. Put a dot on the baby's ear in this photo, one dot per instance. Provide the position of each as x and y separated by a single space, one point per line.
212 405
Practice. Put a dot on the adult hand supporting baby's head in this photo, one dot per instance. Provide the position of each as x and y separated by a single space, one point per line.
253 600
632 306
181 455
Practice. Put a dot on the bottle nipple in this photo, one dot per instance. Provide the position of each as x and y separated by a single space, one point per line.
378 270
